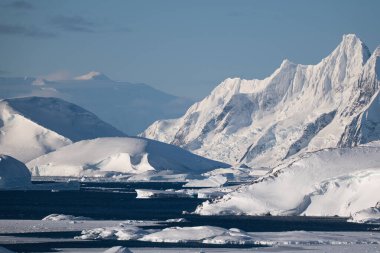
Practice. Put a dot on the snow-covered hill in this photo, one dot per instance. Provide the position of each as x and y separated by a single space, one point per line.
128 155
297 109
329 182
33 126
127 106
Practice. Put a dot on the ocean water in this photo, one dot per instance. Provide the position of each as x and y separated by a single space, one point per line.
117 201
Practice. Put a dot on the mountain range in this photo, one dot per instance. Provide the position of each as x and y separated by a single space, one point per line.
57 138
128 106
297 109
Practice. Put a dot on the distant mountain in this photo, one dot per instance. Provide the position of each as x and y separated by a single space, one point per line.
127 106
33 126
93 75
104 157
297 109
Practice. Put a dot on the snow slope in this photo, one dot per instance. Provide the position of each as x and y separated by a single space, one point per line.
127 106
33 126
129 155
329 182
297 109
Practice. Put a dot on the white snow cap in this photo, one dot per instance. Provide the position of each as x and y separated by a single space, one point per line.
93 75
297 109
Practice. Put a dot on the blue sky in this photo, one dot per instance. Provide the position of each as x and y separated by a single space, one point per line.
183 47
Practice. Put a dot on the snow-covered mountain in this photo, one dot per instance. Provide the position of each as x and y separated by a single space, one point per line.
329 182
127 106
104 157
92 75
297 109
33 126
13 173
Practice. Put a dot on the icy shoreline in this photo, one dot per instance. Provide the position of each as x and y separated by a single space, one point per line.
120 232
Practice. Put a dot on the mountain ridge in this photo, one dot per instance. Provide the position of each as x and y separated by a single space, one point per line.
128 106
298 108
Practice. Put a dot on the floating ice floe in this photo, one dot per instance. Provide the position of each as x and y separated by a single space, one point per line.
369 215
64 217
118 249
14 175
212 181
113 233
200 234
146 194
176 220
218 235
203 193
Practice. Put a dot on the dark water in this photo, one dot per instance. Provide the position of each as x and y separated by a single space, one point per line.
117 201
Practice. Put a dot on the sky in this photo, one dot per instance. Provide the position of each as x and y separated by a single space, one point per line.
185 48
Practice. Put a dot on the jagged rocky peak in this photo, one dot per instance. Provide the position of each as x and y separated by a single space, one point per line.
297 109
